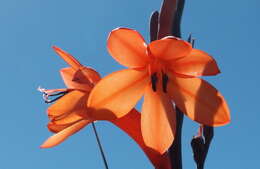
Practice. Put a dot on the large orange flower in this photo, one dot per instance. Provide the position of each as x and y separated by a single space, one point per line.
166 70
69 113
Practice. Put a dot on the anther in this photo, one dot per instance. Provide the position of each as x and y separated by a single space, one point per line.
154 80
165 80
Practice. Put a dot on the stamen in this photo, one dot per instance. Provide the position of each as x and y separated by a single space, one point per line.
49 93
154 80
165 80
61 94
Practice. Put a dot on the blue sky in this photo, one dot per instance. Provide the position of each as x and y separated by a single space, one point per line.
228 30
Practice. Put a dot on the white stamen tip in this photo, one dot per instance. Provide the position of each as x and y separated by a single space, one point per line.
41 89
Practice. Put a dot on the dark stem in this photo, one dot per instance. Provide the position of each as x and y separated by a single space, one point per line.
100 146
154 25
166 18
176 28
169 24
175 149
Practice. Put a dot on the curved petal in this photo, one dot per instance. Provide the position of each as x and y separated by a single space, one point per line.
197 63
169 48
75 79
56 128
68 58
116 94
127 47
91 74
158 120
69 118
131 124
199 101
71 102
64 134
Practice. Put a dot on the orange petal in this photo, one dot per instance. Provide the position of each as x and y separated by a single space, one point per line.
56 128
169 48
64 134
199 101
197 63
131 124
69 118
83 79
92 75
75 79
71 102
116 94
127 47
158 120
68 58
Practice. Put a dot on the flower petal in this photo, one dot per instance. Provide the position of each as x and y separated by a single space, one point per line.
57 128
169 48
199 101
131 124
127 47
158 120
64 134
197 63
68 58
75 79
71 102
116 94
91 74
69 118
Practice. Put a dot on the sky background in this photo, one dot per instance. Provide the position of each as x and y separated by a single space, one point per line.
228 30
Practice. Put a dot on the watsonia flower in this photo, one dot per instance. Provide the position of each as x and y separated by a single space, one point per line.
69 113
165 72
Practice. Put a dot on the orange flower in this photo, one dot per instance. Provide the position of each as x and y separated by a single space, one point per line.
166 70
69 113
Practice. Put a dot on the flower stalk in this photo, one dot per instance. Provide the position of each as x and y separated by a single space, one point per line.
100 145
170 24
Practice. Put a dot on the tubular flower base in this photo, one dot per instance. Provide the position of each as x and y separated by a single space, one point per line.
165 71
69 113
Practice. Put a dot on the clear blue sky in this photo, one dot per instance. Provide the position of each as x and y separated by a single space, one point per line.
228 30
